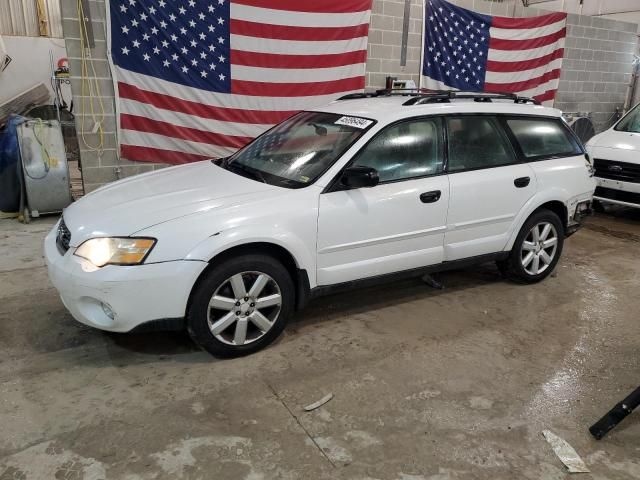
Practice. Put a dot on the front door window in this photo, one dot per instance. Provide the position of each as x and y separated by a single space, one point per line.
406 150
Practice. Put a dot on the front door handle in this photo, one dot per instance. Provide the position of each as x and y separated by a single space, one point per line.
522 182
430 197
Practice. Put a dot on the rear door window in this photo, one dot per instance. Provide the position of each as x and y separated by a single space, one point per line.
543 138
477 142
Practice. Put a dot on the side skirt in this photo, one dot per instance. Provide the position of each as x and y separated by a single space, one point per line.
323 290
305 294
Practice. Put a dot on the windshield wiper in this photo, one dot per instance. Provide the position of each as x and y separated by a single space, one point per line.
246 171
220 162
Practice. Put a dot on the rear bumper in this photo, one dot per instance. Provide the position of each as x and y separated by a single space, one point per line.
582 210
135 295
620 193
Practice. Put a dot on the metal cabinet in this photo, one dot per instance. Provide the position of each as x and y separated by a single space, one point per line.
44 164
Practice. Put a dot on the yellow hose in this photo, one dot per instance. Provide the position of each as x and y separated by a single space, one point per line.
37 130
92 84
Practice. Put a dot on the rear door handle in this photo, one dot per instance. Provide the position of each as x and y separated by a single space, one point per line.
522 182
430 197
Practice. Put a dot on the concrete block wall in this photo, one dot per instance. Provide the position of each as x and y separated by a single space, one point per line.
596 70
597 65
102 167
385 40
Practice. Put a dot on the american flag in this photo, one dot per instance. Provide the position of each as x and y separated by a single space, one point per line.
198 79
465 50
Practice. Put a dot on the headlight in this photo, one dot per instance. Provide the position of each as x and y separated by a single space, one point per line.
115 250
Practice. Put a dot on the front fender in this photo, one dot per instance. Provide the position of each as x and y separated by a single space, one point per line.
242 235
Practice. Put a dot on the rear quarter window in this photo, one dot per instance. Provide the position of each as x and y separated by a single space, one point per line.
541 138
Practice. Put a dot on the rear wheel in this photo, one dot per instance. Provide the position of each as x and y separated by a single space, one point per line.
537 249
241 306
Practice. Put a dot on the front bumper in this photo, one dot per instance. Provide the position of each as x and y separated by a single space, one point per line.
618 192
135 295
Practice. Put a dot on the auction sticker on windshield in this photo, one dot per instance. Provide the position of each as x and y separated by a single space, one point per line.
356 122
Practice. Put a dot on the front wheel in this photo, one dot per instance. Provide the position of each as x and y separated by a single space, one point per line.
537 249
241 305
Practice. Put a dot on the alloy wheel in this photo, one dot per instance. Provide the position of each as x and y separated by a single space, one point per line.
539 248
244 308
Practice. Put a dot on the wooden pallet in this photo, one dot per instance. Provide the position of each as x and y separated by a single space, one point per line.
75 177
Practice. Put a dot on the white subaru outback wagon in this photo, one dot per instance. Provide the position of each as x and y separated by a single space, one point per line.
367 188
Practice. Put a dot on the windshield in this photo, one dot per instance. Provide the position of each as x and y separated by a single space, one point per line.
296 152
630 122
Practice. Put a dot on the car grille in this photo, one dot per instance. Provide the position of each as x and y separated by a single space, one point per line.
63 237
621 171
611 194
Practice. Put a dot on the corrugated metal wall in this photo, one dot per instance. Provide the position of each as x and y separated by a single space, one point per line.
20 17
54 14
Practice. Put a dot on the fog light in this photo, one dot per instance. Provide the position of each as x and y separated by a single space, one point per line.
107 311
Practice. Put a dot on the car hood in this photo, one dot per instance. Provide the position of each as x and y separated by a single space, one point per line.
136 203
614 139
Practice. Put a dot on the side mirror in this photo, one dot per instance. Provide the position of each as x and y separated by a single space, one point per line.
359 176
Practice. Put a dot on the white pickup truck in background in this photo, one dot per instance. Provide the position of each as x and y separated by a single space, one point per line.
616 159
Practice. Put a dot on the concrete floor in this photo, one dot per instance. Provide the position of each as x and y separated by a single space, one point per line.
427 384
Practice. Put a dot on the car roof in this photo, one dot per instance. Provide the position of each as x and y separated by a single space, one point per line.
387 109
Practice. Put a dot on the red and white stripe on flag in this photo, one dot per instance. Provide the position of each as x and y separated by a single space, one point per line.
285 56
524 55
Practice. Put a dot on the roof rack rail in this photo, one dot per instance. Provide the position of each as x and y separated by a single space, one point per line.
352 96
432 97
484 97
384 92
421 96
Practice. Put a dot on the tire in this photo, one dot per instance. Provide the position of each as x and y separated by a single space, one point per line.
519 266
219 314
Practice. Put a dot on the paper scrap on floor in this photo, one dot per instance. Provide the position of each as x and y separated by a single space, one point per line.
319 403
565 453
